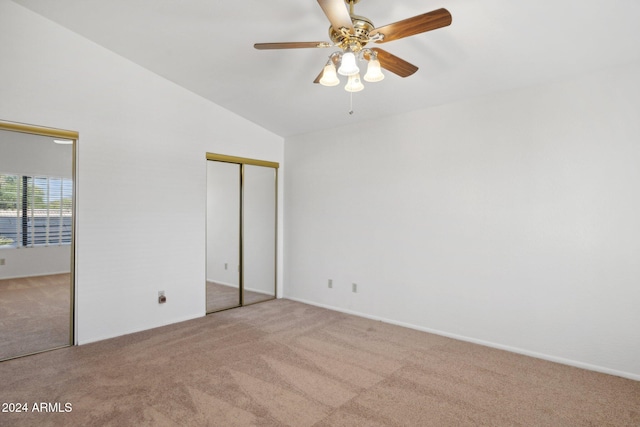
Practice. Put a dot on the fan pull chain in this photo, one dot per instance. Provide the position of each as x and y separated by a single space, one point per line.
351 103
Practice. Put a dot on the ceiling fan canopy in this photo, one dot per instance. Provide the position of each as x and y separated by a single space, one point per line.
352 33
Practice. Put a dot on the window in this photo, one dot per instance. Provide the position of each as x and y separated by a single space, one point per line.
35 210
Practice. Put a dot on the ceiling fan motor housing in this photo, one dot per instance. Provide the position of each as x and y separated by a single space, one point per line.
362 27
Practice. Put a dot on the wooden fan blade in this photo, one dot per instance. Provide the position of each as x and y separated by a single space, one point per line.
291 45
412 26
317 80
337 13
394 64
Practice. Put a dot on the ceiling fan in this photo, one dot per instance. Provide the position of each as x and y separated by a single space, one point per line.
352 33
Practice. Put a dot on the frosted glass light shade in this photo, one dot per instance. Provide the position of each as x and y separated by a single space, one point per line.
348 65
374 71
329 76
354 84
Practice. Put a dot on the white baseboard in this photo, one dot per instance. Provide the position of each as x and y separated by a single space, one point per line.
35 275
517 350
166 322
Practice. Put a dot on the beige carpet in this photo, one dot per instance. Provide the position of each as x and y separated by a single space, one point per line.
34 314
221 297
285 363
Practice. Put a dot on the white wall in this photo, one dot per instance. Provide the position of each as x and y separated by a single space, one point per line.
510 220
141 169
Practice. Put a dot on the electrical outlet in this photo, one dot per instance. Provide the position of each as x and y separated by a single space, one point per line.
354 287
161 297
226 265
330 283
2 261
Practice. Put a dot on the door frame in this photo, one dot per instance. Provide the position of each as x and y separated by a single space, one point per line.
73 136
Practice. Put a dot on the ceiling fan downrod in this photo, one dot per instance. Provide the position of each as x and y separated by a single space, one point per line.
351 3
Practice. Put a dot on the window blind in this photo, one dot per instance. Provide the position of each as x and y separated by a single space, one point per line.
35 210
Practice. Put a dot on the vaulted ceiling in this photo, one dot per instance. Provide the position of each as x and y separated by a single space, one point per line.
206 46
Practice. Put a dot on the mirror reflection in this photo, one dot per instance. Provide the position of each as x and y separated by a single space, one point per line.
36 217
223 236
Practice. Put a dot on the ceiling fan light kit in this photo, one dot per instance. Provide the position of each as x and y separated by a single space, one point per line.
348 67
351 33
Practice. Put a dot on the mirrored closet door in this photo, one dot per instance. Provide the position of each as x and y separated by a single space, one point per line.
36 238
241 231
223 236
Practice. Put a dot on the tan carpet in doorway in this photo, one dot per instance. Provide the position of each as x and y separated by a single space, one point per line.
283 363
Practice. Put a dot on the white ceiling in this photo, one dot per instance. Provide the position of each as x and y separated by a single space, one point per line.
206 46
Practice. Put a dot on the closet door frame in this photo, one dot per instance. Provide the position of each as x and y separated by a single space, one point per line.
242 162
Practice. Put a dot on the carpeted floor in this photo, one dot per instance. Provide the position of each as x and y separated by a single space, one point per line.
221 297
286 363
35 314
